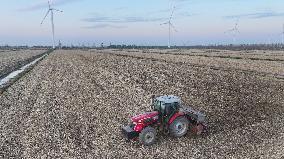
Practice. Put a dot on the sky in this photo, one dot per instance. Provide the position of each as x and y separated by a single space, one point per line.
91 22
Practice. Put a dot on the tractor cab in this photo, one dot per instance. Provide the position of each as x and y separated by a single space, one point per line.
167 106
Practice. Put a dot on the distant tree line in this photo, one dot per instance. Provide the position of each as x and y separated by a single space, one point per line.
239 47
275 46
221 47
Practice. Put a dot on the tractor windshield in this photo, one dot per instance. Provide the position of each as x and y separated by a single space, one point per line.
158 105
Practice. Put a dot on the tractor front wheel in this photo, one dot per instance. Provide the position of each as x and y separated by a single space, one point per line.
148 136
179 127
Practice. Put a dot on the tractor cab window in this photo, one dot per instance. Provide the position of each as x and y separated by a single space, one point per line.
176 105
162 106
157 105
170 108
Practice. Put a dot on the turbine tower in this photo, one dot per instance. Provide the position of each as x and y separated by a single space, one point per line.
234 31
50 10
170 25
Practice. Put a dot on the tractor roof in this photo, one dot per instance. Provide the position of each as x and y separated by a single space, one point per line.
169 99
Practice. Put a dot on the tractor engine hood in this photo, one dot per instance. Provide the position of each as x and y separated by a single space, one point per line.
141 117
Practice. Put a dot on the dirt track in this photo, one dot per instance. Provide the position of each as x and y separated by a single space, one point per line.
73 103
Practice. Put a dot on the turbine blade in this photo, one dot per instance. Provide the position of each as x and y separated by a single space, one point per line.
164 23
57 10
171 17
173 27
228 31
49 4
45 16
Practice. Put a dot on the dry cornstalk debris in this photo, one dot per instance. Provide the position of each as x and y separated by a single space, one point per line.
72 104
11 60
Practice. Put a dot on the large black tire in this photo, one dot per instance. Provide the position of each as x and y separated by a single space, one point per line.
179 127
148 136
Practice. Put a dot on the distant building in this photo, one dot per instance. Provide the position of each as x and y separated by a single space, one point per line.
59 45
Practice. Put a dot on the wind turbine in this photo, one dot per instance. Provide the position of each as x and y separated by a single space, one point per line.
50 10
234 31
170 24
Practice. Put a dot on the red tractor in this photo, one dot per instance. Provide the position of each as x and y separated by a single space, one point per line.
169 116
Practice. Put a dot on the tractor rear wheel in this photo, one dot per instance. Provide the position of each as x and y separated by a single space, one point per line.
148 136
179 127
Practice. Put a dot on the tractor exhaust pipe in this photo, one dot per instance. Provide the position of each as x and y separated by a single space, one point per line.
152 99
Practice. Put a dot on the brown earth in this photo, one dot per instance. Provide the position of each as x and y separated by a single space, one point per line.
72 104
11 60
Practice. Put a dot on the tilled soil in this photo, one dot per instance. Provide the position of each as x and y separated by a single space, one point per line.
73 104
225 60
11 60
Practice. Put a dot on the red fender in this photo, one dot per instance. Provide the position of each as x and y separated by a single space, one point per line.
139 127
178 114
